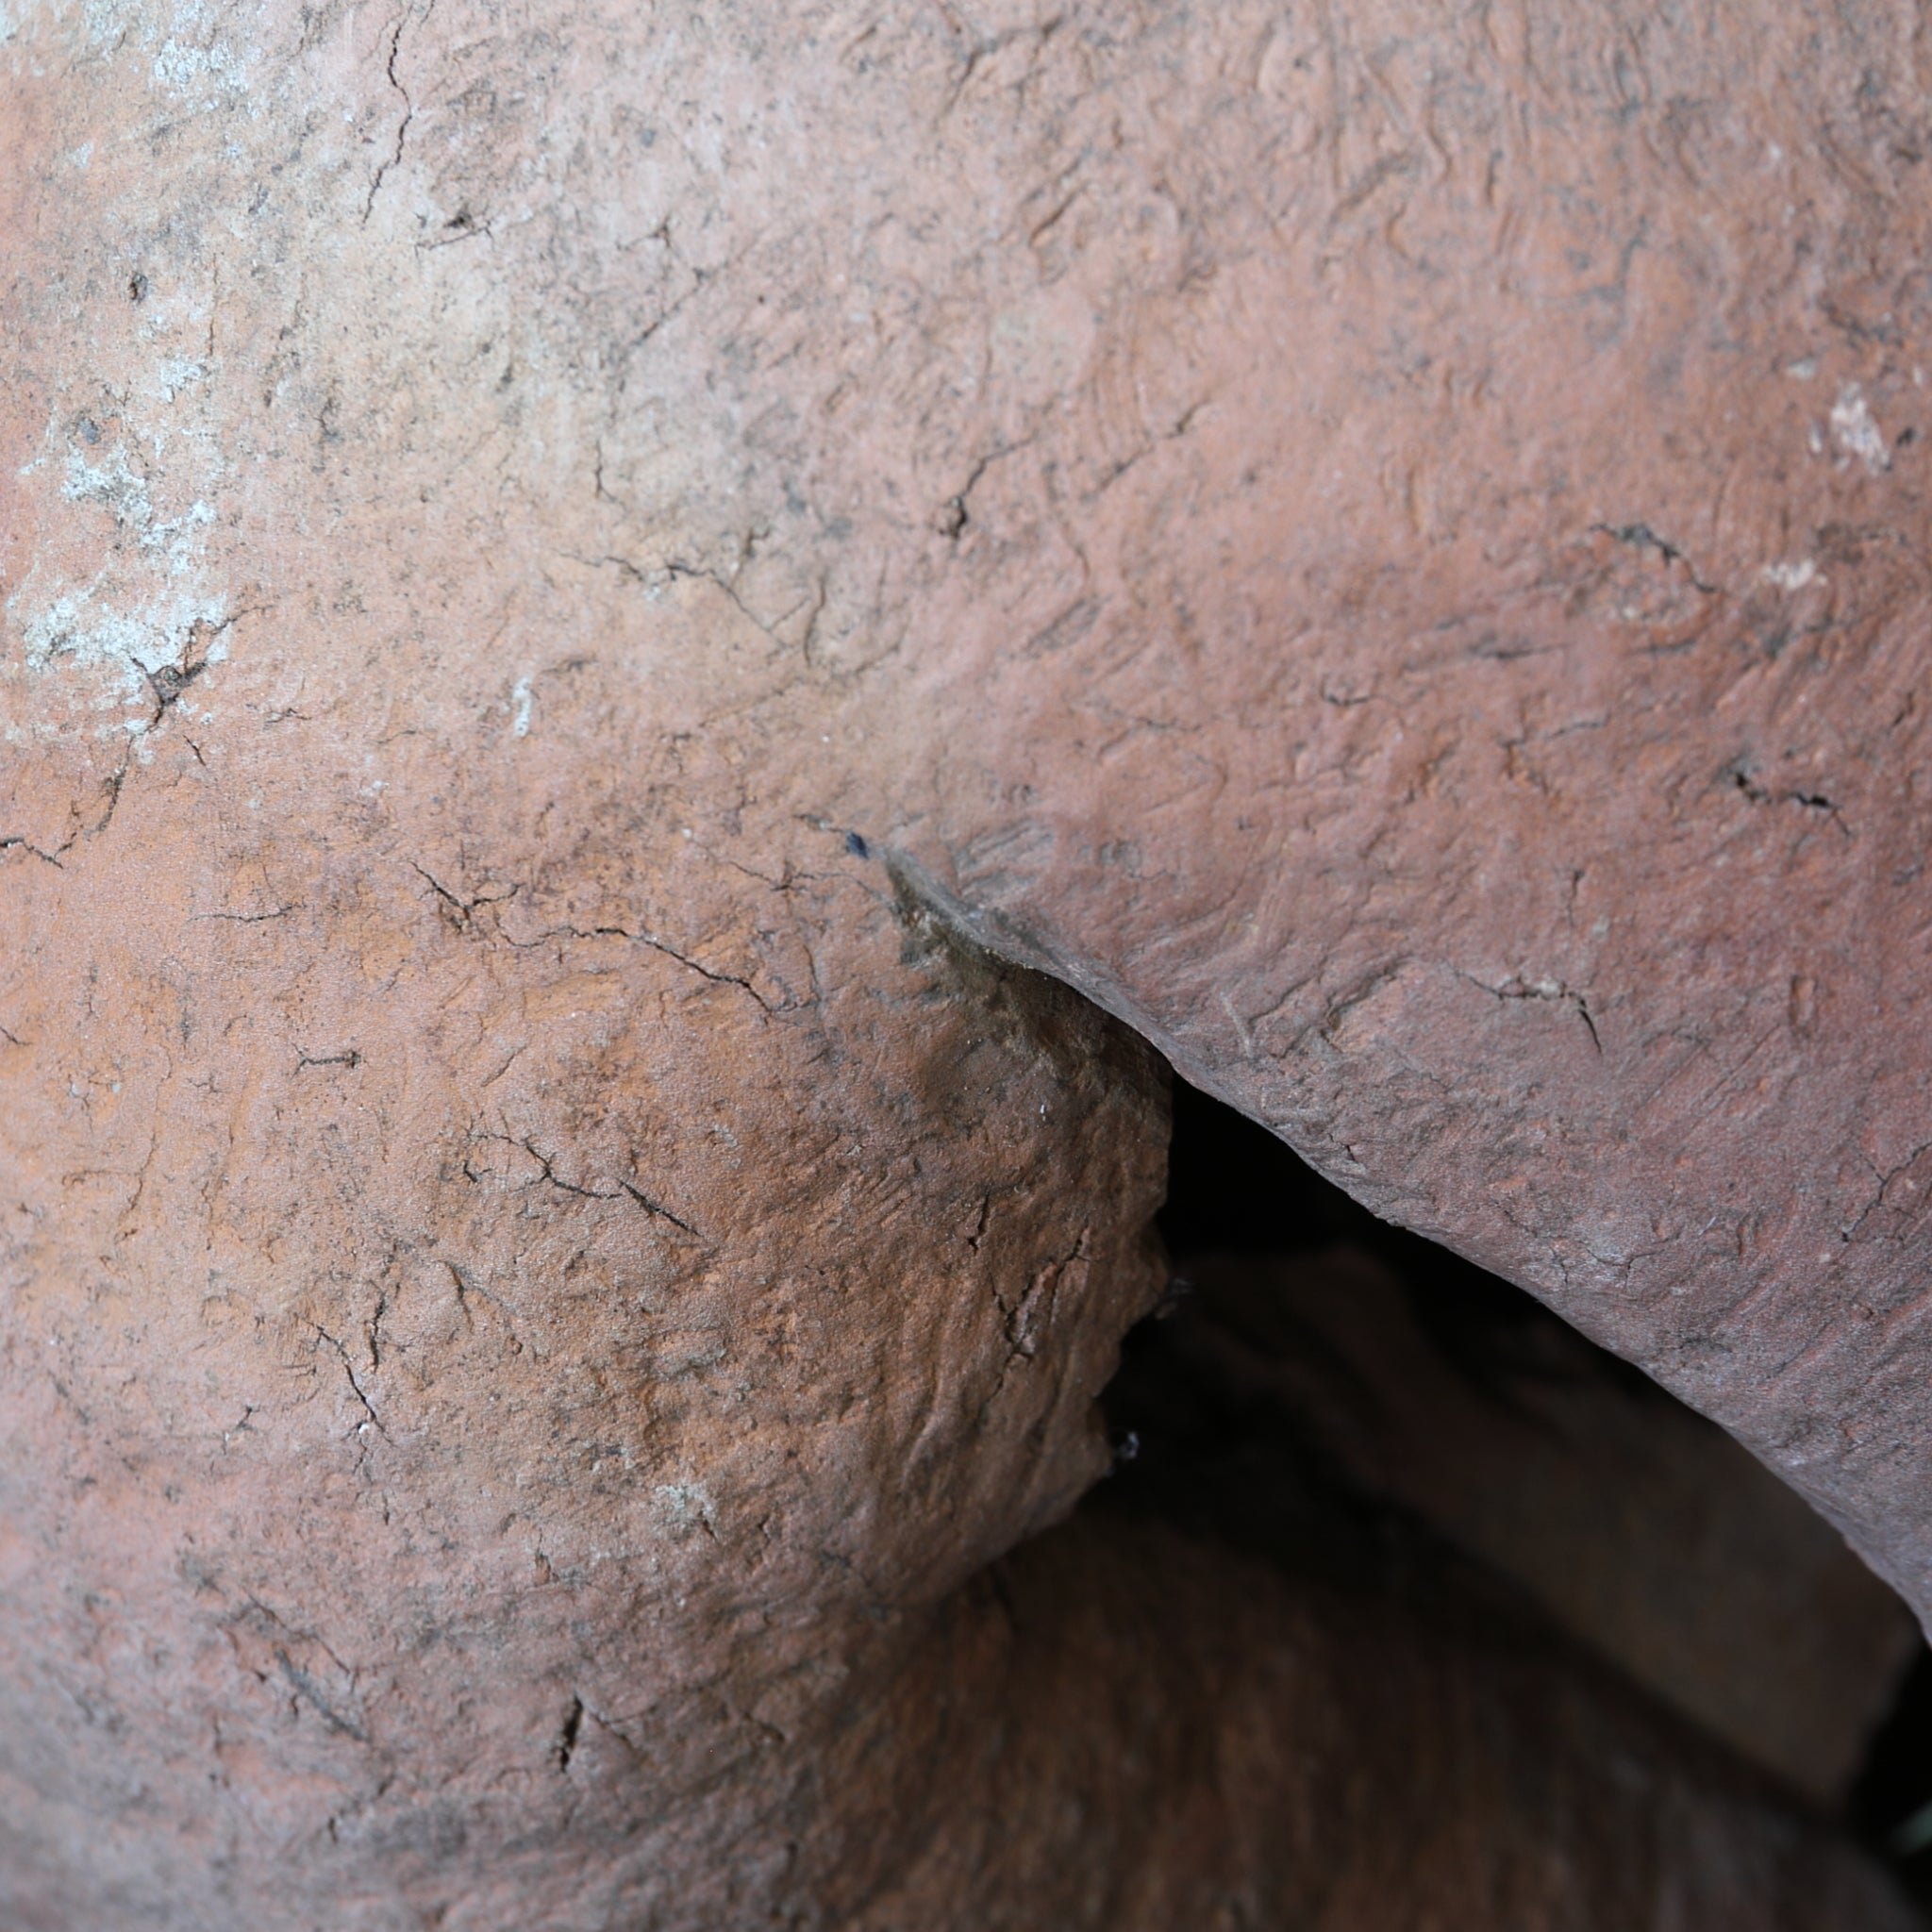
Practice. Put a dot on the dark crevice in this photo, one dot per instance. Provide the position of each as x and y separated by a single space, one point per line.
1892 1802
567 1735
1224 1420
1234 1187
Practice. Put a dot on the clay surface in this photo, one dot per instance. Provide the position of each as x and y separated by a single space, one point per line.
1385 550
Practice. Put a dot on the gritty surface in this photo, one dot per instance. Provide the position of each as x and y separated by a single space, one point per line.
1387 551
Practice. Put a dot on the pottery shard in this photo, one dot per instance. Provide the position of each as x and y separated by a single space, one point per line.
1366 551
506 516
464 1395
1458 625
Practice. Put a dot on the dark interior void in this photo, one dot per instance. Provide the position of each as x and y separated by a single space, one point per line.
1205 1440
1892 1802
1232 1185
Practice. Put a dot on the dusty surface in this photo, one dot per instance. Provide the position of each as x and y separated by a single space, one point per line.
1480 730
573 1415
1387 552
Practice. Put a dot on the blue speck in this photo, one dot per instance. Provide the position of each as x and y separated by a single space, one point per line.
856 846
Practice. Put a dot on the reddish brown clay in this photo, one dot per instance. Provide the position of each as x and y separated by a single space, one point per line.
1384 549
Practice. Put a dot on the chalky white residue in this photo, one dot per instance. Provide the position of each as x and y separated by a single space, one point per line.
138 614
128 643
1792 576
114 485
139 611
185 52
1855 431
133 476
192 62
199 71
177 374
683 1504
520 708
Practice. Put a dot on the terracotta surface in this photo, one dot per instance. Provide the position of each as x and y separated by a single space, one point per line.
1387 552
1486 741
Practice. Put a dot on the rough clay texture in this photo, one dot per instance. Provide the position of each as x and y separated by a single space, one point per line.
1384 549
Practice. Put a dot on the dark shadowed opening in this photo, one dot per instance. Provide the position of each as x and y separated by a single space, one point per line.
1892 1802
1210 1434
